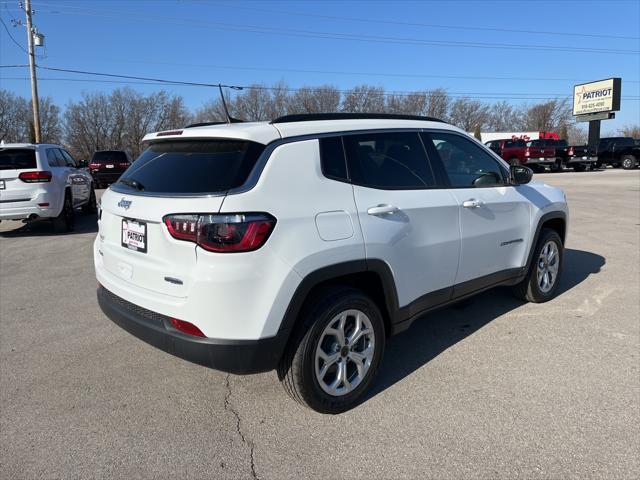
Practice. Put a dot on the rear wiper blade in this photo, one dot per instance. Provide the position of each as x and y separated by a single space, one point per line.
132 183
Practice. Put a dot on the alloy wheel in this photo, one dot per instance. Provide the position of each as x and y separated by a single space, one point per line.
344 353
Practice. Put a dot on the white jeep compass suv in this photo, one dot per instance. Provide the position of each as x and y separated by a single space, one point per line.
302 244
42 181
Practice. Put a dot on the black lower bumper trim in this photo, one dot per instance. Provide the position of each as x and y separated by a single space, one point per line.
234 356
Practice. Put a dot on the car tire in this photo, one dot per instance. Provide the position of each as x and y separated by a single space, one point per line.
92 205
65 221
541 282
579 167
316 347
629 162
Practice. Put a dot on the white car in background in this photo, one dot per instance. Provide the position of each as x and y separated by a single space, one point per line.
43 181
301 244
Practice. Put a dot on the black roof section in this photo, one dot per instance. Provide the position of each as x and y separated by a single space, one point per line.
310 117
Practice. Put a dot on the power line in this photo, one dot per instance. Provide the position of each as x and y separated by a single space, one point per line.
428 25
160 81
279 31
11 37
341 72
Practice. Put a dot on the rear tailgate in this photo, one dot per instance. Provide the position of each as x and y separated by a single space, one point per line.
542 152
161 263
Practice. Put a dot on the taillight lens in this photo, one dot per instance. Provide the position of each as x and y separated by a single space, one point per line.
95 166
35 177
527 152
222 233
124 164
186 327
570 151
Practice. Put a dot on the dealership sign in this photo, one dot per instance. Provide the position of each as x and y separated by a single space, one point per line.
597 97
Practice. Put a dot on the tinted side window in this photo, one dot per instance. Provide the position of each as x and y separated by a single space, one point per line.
465 163
53 159
68 159
332 159
390 161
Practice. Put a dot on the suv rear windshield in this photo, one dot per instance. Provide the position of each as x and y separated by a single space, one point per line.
17 158
109 157
192 167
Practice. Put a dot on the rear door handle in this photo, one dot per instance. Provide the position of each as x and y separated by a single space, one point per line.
472 203
382 210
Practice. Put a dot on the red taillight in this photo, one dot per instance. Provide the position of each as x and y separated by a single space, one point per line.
183 227
570 151
527 152
95 166
186 327
35 177
222 233
124 164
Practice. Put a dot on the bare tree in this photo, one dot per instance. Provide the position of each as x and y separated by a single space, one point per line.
51 127
630 131
437 104
468 114
502 116
120 120
89 124
14 117
547 116
364 98
259 103
407 104
322 99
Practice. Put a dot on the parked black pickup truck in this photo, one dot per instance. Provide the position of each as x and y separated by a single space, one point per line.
619 151
577 157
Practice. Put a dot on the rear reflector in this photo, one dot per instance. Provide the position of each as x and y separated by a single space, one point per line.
35 177
186 327
222 233
43 204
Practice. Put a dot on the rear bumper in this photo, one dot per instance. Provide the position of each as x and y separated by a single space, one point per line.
584 159
22 212
542 160
106 176
233 356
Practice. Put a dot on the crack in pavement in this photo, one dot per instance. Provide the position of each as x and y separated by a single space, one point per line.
228 407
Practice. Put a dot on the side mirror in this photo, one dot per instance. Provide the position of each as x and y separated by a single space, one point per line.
83 164
519 175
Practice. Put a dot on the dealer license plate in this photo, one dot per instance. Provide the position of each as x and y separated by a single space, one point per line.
134 235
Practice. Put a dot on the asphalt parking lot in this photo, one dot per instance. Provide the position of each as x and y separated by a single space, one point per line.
490 389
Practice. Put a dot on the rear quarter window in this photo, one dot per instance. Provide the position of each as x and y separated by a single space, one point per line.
192 167
332 159
17 158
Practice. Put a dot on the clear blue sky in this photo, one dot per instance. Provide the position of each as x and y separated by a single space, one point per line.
243 42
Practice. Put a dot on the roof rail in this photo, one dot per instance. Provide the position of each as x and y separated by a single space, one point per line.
310 117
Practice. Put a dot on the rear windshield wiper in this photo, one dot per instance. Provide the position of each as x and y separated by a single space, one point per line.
132 183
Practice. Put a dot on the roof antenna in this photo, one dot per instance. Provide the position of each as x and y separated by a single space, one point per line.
230 119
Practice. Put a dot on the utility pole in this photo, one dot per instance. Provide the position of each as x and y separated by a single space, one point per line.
32 67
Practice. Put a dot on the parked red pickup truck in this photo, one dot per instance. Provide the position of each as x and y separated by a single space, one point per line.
516 152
